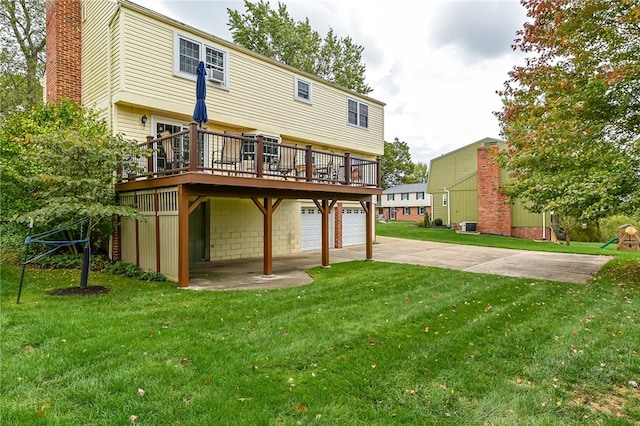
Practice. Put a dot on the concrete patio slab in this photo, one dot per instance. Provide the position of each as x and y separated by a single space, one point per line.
245 274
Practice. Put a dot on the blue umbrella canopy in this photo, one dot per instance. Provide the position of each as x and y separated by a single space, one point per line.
200 111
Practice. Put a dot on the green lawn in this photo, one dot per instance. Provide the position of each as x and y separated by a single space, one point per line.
411 231
366 343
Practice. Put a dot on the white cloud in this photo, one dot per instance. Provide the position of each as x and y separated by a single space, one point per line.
436 64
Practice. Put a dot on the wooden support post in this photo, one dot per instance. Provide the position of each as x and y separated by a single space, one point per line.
308 163
150 168
368 208
267 210
193 147
325 208
347 168
259 160
183 237
156 202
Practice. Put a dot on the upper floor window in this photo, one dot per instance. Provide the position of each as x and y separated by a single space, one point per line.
358 113
404 196
303 90
190 52
391 197
444 200
419 195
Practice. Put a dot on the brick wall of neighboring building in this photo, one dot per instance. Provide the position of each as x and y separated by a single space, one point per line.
494 213
64 53
530 232
415 215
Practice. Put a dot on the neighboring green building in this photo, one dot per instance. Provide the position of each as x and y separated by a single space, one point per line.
464 185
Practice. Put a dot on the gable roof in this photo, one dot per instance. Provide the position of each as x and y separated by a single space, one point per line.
230 45
407 187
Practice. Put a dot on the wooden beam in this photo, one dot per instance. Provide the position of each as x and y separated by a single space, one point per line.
183 237
267 209
195 204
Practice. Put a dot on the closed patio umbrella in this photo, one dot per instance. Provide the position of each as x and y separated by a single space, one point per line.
200 111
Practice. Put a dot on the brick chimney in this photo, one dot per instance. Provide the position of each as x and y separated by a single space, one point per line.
64 50
494 213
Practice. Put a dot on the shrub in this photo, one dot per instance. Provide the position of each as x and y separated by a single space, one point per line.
100 264
437 222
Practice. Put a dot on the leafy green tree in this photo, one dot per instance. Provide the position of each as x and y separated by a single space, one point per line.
420 173
396 163
570 114
22 57
275 34
58 164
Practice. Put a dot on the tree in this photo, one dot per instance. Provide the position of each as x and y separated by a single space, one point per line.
420 173
571 113
65 159
22 58
396 163
275 34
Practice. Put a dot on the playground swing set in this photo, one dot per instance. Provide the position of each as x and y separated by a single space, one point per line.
627 238
53 245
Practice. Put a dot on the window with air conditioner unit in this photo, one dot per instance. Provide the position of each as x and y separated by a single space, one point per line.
190 51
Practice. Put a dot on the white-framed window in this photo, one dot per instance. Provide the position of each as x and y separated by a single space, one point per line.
172 153
358 113
406 211
189 52
270 150
303 90
404 196
421 210
419 195
444 200
391 197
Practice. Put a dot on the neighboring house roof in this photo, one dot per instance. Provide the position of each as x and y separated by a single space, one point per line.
456 165
408 187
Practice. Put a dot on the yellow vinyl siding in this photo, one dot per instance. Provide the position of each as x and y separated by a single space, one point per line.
260 93
95 47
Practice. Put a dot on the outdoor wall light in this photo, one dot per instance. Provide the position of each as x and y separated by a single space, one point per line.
143 120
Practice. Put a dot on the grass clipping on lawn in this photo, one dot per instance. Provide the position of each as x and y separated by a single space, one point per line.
366 343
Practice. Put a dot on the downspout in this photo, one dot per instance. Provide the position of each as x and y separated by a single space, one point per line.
448 206
544 225
109 66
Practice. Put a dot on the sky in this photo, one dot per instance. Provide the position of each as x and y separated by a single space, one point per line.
437 64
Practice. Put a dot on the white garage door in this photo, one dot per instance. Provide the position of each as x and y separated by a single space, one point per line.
311 229
354 227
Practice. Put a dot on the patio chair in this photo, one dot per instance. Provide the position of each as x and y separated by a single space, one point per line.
161 159
231 152
286 161
327 171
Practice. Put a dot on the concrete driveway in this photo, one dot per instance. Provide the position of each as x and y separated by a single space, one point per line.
289 270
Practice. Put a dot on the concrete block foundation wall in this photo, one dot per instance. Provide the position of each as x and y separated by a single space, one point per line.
237 228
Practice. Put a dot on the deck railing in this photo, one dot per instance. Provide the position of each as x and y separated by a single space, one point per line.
203 151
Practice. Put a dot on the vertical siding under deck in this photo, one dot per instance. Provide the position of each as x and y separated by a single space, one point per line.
143 252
